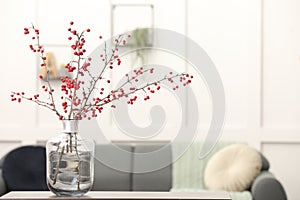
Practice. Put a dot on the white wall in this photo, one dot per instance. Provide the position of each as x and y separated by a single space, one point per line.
254 44
281 85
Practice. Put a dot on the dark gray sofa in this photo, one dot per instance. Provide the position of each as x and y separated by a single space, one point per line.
264 187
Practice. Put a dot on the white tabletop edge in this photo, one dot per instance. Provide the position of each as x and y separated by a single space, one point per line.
122 195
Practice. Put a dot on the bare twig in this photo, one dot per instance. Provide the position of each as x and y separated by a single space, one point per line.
57 165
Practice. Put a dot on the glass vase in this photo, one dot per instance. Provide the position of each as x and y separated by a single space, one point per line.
70 162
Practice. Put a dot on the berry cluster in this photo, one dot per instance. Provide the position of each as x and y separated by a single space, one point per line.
92 99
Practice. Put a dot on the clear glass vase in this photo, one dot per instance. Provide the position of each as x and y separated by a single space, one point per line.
70 162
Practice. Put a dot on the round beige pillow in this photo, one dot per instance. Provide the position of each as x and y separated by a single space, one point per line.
233 168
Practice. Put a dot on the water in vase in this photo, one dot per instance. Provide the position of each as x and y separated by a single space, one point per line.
70 173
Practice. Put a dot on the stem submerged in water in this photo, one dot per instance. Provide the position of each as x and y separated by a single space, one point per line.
70 142
57 165
69 150
79 175
79 164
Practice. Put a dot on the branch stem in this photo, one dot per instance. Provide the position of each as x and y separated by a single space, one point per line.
57 165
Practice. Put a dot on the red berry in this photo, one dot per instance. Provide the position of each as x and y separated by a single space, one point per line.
41 76
71 23
88 30
108 81
69 38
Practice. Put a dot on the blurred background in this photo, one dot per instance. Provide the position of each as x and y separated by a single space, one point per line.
254 44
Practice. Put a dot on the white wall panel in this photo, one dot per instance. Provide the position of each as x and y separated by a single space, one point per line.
17 68
229 33
281 64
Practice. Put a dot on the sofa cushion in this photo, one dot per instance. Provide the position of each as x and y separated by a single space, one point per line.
158 179
2 184
24 168
106 178
265 163
233 168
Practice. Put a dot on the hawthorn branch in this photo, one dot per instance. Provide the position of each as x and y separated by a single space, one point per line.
107 62
142 88
76 78
47 71
102 102
38 102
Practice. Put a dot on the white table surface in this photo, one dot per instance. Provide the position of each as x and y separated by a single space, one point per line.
113 195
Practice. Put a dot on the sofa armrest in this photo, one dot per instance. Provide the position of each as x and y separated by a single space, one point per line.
267 187
3 189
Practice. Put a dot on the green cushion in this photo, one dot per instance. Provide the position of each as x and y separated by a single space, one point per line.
188 170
